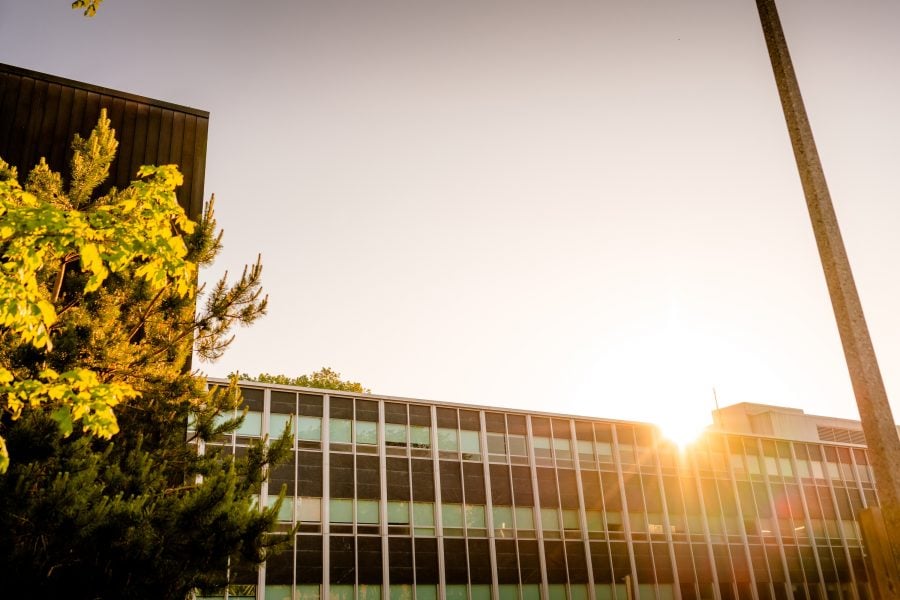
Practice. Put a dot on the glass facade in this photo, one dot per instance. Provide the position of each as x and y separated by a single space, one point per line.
396 499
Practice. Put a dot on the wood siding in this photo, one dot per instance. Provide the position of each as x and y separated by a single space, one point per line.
39 115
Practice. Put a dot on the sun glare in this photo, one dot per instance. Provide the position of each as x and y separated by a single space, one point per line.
682 431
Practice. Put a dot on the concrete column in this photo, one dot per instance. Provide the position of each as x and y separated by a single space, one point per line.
871 398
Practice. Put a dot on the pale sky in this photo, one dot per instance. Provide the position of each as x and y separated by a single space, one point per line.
588 207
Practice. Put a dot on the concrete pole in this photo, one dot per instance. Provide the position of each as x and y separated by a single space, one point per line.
871 398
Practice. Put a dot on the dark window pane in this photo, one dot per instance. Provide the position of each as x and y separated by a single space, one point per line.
422 480
419 415
479 561
576 563
395 413
309 473
546 479
540 426
515 424
397 478
468 420
451 482
522 490
309 559
568 488
455 564
495 422
367 410
400 560
341 475
368 486
426 560
342 559
283 403
340 408
369 550
310 405
529 561
252 398
501 489
507 562
446 417
473 483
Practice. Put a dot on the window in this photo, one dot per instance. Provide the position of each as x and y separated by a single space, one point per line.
549 519
341 510
286 511
423 518
503 521
310 509
340 430
277 423
309 428
367 512
524 518
452 519
340 592
475 516
252 424
517 445
419 436
398 512
469 444
394 434
447 440
366 432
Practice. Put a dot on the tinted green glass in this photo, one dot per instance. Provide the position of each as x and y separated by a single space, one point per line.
401 592
570 519
550 519
531 591
509 591
278 592
308 592
452 515
398 513
341 510
340 592
252 424
469 442
557 591
366 432
455 592
309 428
395 434
594 520
340 430
475 516
367 512
423 514
524 517
420 436
447 439
426 592
277 423
366 591
503 517
481 592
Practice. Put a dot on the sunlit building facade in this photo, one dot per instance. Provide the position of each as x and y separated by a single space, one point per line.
398 499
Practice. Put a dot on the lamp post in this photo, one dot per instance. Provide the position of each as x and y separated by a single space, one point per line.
868 387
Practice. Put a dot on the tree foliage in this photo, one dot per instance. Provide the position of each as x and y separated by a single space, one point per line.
325 378
104 497
88 6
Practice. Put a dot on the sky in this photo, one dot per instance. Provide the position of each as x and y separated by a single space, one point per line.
586 207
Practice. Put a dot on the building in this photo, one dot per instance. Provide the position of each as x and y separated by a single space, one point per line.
399 498
788 423
40 114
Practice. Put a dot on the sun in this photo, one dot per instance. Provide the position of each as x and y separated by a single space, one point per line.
682 429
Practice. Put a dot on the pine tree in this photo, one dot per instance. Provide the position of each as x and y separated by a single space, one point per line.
105 494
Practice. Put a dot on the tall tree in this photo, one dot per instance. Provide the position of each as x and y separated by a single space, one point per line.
325 378
106 495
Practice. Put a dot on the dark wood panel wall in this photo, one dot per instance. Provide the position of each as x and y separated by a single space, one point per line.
39 115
